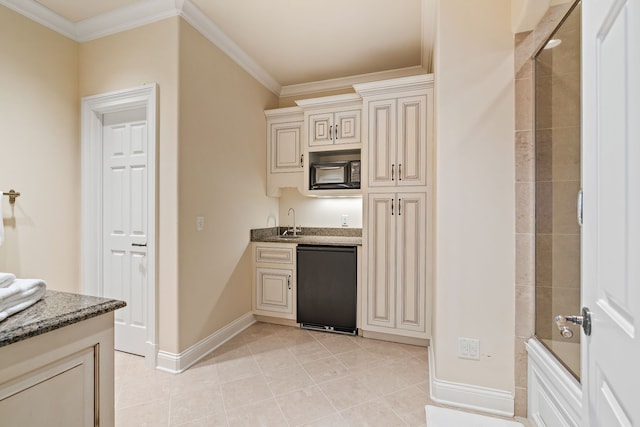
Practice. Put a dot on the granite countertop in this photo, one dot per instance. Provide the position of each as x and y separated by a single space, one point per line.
310 236
53 311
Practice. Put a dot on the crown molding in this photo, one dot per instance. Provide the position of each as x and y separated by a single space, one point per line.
201 22
382 87
343 83
137 15
36 12
333 101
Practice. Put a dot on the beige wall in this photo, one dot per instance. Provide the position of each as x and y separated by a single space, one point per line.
39 152
146 55
222 173
474 286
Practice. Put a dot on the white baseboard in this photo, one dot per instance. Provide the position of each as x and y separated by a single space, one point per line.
467 396
176 363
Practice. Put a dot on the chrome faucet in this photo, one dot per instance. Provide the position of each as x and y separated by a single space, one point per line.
294 229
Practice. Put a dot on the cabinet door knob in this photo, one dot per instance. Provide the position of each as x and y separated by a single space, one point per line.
336 132
392 206
301 160
331 132
289 282
393 172
399 207
399 171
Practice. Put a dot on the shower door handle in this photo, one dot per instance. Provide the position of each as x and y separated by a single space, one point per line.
584 320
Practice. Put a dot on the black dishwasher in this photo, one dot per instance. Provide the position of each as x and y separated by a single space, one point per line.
326 287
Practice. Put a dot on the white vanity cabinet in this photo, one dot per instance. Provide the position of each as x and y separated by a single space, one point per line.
395 293
284 149
274 281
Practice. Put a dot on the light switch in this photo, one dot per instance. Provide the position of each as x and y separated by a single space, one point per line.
199 223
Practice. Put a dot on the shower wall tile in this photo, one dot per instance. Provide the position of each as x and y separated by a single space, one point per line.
565 211
525 313
524 104
525 256
544 312
566 261
557 101
525 156
520 356
544 207
565 165
524 207
523 51
520 404
543 155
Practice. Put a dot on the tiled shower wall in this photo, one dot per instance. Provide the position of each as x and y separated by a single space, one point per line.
526 44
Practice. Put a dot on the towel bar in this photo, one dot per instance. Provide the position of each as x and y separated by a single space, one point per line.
12 195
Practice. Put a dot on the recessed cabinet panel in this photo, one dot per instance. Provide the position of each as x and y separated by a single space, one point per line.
381 253
411 261
274 255
285 147
347 127
321 129
274 290
382 142
412 141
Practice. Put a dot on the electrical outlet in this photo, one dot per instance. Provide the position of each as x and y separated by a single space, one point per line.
199 223
344 220
468 348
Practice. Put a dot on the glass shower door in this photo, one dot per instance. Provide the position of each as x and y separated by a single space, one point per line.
557 232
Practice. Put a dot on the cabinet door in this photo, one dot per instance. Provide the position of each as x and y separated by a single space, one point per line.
412 141
411 271
382 143
321 129
274 290
347 125
381 260
285 147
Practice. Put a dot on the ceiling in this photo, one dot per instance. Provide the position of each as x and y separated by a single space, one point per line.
299 41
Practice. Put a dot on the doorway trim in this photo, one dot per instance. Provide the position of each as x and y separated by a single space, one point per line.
92 109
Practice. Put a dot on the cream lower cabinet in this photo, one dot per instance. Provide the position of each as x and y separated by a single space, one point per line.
274 293
396 293
61 378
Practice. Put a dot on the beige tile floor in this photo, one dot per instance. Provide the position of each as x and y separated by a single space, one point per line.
272 375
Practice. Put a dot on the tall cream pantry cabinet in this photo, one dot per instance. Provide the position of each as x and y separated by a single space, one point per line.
398 148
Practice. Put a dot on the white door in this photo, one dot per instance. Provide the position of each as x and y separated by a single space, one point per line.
125 201
611 230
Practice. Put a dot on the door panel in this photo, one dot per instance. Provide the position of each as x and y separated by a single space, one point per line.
611 230
125 225
382 143
381 260
348 127
411 260
273 293
285 154
412 140
321 129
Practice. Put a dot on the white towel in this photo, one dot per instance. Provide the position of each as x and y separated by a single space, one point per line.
6 279
22 293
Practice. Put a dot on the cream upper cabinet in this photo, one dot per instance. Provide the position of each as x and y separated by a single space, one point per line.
284 149
332 120
274 280
396 292
397 141
342 127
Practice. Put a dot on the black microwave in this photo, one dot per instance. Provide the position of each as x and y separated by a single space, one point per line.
334 175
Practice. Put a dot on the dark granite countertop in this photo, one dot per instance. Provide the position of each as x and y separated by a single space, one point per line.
310 236
55 310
